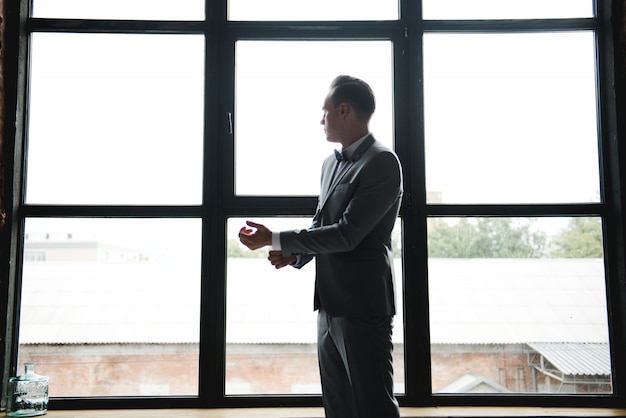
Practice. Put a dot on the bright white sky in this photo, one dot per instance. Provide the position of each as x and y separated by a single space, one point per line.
313 9
118 118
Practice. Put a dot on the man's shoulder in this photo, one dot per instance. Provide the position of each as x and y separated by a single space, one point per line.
377 148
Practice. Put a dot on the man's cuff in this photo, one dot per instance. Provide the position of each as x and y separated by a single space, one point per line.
276 241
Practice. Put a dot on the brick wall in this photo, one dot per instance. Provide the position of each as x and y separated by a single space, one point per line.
623 38
2 14
172 369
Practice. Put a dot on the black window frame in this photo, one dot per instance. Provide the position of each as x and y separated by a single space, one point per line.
219 202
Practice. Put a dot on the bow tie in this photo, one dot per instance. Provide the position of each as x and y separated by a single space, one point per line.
341 156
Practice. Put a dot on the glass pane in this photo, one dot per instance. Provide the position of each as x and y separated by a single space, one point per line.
271 337
280 90
518 305
111 307
113 122
120 9
515 123
506 9
304 10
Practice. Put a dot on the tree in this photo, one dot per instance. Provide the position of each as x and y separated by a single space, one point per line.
582 238
485 238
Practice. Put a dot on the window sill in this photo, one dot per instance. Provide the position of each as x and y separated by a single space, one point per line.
434 412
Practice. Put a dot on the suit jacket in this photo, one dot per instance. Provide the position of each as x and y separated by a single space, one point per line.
350 237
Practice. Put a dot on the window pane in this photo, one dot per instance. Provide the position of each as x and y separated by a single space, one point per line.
312 10
113 122
518 305
280 90
120 9
506 9
515 123
271 337
111 307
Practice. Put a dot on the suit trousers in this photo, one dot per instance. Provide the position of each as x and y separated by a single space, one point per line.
356 366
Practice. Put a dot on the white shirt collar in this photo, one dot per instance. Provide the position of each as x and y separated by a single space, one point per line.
353 147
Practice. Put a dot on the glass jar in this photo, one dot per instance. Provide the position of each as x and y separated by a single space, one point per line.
27 394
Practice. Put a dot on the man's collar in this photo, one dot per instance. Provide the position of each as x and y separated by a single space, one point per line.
349 151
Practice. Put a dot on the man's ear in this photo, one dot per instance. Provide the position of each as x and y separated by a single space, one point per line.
344 109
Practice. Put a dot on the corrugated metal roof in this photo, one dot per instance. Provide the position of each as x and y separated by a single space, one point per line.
473 383
577 359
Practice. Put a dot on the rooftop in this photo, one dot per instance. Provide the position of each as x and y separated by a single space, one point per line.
472 301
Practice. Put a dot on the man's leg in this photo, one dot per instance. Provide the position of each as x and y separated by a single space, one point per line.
336 389
365 347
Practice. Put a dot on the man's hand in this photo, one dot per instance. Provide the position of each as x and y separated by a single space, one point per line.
279 261
256 237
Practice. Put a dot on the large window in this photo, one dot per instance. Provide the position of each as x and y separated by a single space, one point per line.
148 132
506 9
270 323
274 123
111 122
114 301
516 123
521 302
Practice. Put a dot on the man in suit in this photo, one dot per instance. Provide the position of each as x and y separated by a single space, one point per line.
350 239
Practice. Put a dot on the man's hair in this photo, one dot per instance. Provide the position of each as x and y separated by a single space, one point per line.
357 93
